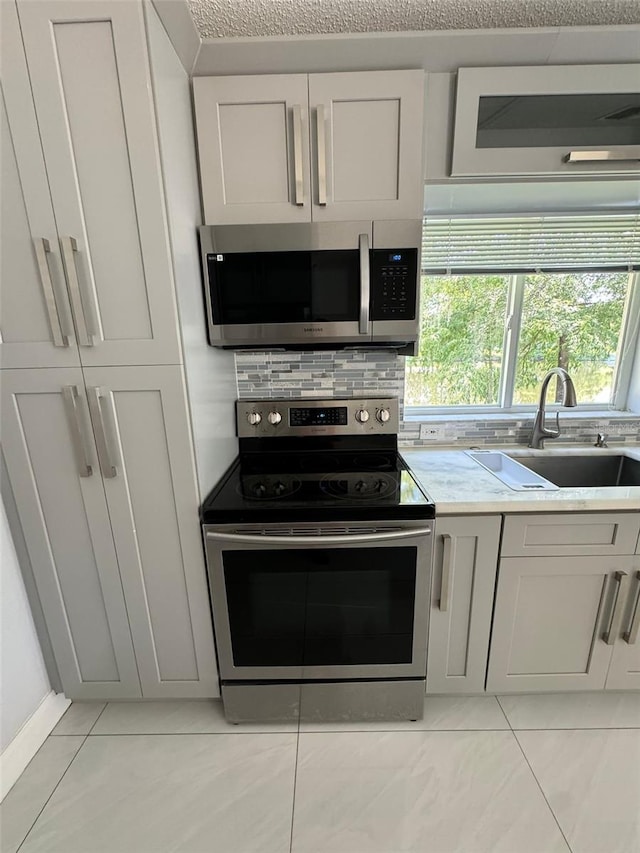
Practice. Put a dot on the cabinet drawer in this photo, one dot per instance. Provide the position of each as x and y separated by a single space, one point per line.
570 534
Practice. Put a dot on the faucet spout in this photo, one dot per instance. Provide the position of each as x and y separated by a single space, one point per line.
540 432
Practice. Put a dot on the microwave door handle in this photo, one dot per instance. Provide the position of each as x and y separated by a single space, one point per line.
365 287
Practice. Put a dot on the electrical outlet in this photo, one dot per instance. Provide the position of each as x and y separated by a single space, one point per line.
432 432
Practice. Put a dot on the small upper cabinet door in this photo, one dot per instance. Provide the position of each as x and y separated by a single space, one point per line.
142 435
367 145
52 464
35 322
253 146
92 93
555 120
465 560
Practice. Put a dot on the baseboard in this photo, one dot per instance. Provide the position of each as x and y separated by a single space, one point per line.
29 739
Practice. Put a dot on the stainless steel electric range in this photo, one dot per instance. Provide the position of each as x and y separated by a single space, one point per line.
318 544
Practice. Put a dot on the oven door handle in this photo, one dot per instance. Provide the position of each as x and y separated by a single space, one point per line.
319 539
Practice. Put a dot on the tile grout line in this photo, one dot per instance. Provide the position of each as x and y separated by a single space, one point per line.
95 722
504 713
295 781
37 818
524 755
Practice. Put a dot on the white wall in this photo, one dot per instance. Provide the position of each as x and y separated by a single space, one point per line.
23 677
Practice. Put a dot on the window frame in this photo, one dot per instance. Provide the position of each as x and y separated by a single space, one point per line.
628 346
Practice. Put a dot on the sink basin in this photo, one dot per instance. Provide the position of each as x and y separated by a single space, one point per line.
511 473
590 471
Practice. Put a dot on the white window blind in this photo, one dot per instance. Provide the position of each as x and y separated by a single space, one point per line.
531 244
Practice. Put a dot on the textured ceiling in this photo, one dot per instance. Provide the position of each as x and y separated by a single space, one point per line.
228 18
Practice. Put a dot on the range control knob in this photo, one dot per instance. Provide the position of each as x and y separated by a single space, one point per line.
260 490
360 486
254 418
383 415
362 416
274 418
279 488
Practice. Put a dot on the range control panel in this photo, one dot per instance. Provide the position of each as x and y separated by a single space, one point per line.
370 416
394 283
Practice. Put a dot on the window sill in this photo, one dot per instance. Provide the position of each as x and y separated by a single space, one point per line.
528 415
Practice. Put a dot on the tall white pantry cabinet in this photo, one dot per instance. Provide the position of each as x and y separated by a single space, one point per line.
95 425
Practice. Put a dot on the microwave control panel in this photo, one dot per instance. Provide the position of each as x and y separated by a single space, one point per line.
394 282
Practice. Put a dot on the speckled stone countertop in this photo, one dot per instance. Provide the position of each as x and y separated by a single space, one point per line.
460 486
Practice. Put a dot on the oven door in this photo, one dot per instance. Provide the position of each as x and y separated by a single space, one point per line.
322 602
283 285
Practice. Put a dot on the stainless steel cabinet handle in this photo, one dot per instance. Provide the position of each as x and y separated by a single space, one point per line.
43 249
621 156
85 331
70 396
365 292
297 154
448 557
631 636
621 580
107 466
322 155
320 541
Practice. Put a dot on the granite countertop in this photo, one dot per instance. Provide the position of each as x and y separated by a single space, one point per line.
459 485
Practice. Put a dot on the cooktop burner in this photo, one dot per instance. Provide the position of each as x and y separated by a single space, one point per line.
352 471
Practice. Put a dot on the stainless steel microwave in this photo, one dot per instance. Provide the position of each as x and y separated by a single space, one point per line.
312 285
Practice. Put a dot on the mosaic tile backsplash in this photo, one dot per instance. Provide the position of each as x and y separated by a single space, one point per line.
266 375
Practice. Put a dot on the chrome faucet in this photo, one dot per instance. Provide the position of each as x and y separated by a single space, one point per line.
540 432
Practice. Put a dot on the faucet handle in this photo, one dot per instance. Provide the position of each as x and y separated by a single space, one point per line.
554 433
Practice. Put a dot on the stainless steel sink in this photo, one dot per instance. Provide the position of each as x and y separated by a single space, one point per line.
590 471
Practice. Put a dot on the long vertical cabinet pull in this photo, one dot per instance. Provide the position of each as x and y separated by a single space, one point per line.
448 556
78 438
621 579
69 247
297 155
43 249
631 636
365 284
322 155
95 396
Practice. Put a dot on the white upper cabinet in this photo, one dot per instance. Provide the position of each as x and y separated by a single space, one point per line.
554 120
253 140
36 322
323 147
94 108
367 145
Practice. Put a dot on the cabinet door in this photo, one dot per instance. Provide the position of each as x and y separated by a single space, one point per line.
51 460
36 329
549 620
624 672
253 144
466 557
555 120
367 145
88 67
139 417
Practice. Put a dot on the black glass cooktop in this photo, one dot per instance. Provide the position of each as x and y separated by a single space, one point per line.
325 485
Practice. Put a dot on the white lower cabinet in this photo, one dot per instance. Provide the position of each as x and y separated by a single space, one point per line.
103 476
624 672
465 561
559 622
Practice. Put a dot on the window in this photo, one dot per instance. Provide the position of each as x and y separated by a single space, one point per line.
503 301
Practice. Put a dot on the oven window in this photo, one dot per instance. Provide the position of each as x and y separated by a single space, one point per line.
324 607
285 287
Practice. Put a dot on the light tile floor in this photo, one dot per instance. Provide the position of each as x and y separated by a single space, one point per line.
517 774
